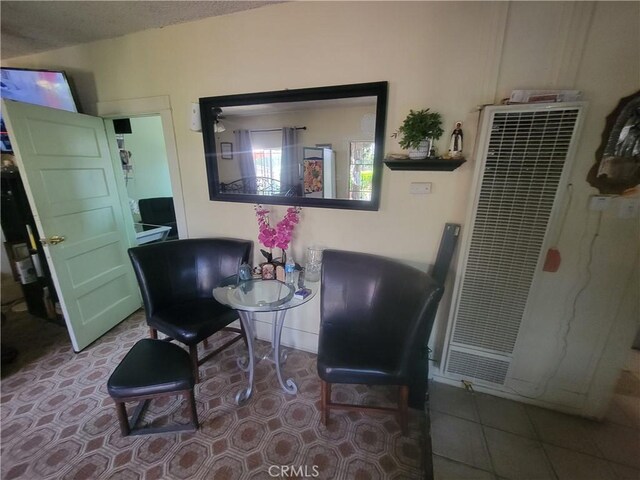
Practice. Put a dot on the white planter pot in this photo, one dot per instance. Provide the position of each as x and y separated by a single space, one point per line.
422 151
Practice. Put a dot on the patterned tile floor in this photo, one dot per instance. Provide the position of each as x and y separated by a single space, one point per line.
58 421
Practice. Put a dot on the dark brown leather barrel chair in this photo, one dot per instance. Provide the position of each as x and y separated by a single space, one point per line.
177 279
376 318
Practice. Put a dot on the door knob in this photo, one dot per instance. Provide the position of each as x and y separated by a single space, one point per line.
54 240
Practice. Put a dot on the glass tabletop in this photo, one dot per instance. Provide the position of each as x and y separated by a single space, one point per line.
145 227
146 233
259 295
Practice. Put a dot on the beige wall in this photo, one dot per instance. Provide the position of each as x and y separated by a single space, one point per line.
451 57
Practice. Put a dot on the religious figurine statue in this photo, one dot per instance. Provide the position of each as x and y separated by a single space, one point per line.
455 147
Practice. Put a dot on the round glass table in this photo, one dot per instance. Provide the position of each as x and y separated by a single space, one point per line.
257 295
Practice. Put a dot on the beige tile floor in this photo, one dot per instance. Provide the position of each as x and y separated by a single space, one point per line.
478 436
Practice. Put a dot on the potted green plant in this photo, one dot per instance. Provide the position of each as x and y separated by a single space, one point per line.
418 131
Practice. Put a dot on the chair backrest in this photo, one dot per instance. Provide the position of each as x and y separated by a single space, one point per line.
391 306
183 270
158 211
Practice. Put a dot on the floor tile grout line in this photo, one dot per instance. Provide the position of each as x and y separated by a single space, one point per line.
484 436
611 470
488 426
538 438
588 454
621 464
456 460
464 463
553 470
546 455
601 455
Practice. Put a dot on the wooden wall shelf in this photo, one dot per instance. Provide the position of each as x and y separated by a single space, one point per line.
432 164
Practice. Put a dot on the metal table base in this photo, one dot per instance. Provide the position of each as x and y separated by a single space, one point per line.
276 354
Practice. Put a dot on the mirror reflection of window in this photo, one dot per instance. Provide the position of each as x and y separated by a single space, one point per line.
267 162
267 156
361 170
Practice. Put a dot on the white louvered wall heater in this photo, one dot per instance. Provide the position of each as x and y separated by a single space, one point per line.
523 157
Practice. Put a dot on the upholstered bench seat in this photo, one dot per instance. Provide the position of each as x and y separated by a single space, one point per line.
152 368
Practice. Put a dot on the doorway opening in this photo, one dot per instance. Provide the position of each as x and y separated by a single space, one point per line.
149 176
145 169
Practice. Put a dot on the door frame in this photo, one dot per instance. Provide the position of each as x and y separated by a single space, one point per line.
148 106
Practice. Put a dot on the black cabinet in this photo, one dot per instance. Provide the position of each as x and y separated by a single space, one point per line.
28 263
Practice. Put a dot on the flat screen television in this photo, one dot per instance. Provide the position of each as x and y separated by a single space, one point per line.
48 88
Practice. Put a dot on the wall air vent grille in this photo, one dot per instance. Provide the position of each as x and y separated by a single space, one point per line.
477 366
525 153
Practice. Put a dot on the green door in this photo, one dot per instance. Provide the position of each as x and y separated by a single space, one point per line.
68 173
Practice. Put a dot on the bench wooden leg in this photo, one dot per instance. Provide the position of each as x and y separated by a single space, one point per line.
153 333
191 400
193 353
132 428
325 401
123 419
403 409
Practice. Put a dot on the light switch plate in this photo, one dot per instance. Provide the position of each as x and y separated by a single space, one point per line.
629 208
599 203
420 188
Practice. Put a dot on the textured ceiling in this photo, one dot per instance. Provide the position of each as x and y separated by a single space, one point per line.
36 26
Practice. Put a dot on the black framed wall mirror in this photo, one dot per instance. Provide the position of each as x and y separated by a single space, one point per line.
315 147
617 166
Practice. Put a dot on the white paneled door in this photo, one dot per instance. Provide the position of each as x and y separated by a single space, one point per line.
68 172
